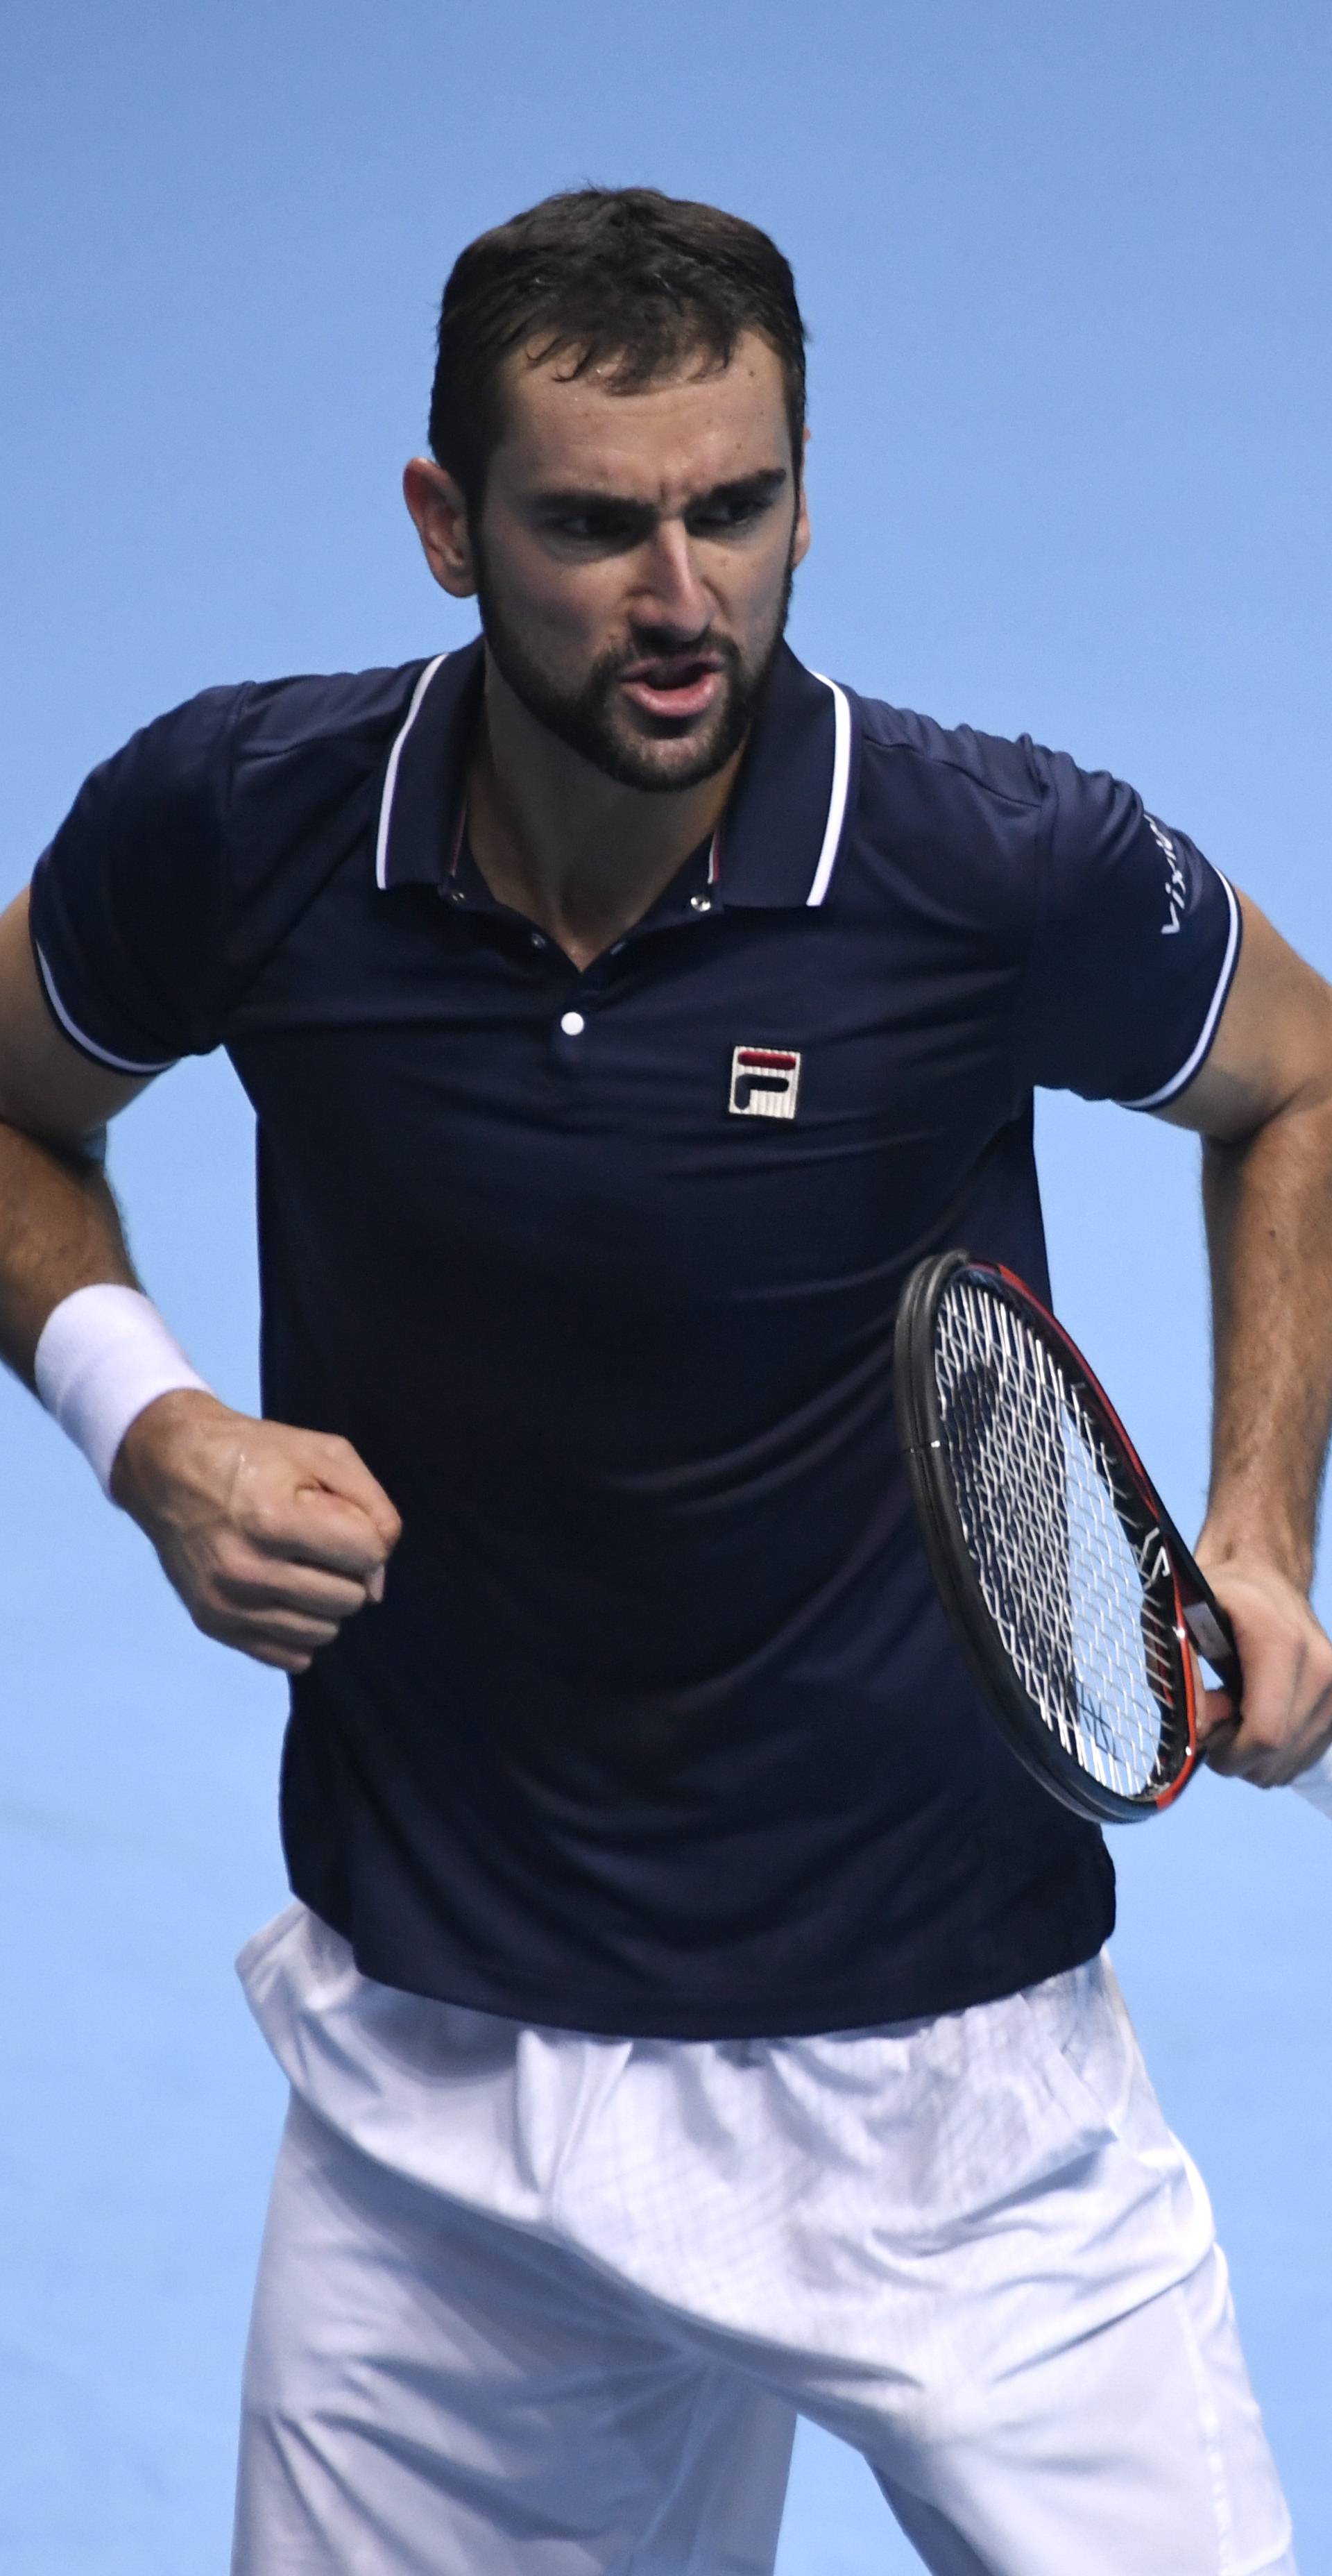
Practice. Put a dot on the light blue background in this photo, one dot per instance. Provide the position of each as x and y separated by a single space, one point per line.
1067 272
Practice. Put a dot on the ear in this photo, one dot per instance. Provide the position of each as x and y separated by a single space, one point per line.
800 536
439 511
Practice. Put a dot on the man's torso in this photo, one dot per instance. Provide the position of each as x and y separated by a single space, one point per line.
660 1727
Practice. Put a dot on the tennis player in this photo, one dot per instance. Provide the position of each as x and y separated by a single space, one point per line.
694 2015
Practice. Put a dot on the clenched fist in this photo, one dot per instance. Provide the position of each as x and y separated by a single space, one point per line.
271 1536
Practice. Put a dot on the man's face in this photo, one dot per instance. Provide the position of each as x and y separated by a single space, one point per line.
634 556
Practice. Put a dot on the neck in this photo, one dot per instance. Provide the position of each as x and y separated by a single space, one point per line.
559 841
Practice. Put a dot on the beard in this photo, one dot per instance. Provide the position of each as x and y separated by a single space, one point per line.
589 719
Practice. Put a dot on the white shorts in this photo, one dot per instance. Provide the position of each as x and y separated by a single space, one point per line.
535 2303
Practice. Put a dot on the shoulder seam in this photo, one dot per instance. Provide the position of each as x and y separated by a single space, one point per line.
359 728
961 768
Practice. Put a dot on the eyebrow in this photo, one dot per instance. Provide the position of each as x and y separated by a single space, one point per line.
763 486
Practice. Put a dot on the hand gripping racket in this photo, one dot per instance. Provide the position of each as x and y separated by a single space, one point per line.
1071 1591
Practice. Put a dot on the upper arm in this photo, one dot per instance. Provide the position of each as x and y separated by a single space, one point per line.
47 1085
112 962
1273 1041
1131 948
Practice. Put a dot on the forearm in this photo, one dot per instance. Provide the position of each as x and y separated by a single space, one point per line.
1268 1204
271 1536
60 1230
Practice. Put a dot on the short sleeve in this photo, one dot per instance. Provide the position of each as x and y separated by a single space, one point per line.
189 857
1133 947
129 902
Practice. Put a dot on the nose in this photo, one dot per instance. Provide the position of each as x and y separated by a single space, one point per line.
671 592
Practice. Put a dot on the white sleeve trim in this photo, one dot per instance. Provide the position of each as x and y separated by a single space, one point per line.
1177 1082
841 774
391 773
118 1063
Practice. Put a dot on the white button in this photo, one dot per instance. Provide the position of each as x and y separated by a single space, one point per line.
573 1024
537 940
700 903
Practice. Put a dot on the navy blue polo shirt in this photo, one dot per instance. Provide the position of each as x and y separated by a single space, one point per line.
660 1727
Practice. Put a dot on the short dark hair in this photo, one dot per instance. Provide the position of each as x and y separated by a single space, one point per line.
624 277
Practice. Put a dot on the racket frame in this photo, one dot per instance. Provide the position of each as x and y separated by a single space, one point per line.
1197 1620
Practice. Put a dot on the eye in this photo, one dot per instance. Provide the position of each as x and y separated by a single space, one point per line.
729 512
609 527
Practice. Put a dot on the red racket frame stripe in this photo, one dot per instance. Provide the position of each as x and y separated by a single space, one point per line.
1199 1622
1214 1636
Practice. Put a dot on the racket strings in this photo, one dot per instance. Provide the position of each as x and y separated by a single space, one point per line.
1066 1568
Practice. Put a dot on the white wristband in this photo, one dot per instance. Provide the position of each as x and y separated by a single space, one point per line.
104 1354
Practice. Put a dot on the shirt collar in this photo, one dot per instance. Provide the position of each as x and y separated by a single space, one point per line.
780 835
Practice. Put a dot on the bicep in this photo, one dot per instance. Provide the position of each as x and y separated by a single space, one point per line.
1273 1041
48 1086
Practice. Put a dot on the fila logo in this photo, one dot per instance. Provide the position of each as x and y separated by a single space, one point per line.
765 1082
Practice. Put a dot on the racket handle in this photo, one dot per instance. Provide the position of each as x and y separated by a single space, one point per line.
1315 1784
1214 1638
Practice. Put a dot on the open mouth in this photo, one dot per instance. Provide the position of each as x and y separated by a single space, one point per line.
676 686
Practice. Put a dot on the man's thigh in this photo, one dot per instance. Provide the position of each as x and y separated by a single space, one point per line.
1060 2385
426 2389
1138 2452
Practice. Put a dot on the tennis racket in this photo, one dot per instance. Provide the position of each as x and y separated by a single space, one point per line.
1073 1596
